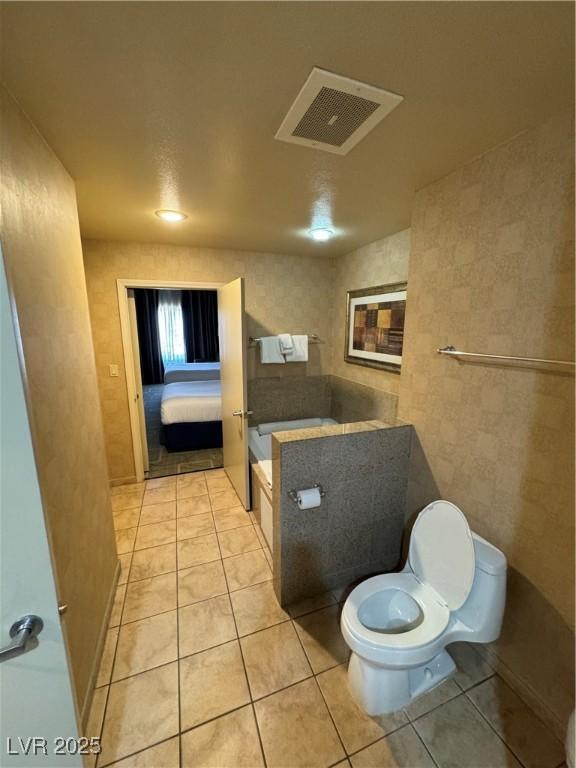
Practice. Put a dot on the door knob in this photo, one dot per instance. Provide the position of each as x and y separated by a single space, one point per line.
23 633
244 414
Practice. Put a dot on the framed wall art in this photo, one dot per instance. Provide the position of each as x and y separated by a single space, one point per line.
375 326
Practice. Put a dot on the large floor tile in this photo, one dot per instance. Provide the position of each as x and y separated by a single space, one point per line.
522 731
125 540
256 607
117 606
212 683
456 735
127 499
217 483
118 490
126 518
472 668
107 659
149 597
195 525
205 624
296 728
274 659
164 755
159 495
160 482
153 562
132 722
202 549
322 639
201 582
158 513
401 749
356 728
146 644
247 569
191 485
156 534
125 561
224 499
226 519
230 741
434 698
195 505
238 541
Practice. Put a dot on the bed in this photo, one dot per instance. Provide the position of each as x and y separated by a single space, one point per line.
174 372
191 415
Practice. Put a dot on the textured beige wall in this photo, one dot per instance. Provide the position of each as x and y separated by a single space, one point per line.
492 270
42 250
283 293
384 261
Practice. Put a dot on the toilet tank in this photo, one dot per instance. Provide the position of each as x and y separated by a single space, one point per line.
484 609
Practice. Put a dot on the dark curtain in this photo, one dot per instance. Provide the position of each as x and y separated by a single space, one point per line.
200 313
148 336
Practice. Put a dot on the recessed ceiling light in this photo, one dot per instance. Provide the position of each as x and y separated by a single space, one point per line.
171 216
321 234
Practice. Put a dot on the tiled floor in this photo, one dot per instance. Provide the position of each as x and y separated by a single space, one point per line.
203 668
162 463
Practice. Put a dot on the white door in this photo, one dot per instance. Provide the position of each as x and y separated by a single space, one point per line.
138 377
36 698
233 341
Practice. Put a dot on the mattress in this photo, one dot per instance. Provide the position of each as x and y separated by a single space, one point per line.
174 372
191 401
261 445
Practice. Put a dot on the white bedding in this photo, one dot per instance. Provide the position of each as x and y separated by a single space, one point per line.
174 372
186 401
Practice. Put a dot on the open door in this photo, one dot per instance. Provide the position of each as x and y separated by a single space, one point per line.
233 343
138 376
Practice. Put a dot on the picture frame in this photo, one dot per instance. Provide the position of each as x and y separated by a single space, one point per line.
375 326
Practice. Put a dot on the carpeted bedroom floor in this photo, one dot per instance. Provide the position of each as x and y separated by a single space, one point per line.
163 463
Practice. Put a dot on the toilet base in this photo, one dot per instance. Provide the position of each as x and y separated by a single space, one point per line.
381 690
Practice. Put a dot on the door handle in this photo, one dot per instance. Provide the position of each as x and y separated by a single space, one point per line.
244 414
23 633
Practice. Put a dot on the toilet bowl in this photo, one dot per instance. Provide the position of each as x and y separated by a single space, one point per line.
398 625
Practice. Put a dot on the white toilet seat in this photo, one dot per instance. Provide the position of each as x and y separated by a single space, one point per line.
373 645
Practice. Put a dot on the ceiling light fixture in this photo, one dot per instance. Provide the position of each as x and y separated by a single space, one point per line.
321 234
171 216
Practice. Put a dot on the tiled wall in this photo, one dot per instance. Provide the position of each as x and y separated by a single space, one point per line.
384 261
357 530
492 270
283 293
43 255
283 398
351 401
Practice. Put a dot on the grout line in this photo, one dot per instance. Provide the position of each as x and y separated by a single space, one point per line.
178 663
424 744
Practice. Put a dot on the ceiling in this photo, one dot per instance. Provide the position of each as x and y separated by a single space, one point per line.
175 105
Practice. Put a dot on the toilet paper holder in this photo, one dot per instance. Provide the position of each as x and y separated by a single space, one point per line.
294 494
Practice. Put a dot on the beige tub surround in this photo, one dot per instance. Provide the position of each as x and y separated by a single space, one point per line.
357 530
492 271
43 257
283 293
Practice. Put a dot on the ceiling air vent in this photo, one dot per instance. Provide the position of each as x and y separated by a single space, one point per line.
334 113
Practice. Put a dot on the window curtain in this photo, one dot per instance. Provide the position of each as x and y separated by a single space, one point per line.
151 365
200 313
171 327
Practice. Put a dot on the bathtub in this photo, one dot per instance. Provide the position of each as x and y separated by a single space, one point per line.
261 444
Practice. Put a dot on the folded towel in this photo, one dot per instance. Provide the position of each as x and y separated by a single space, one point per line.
270 350
286 343
299 353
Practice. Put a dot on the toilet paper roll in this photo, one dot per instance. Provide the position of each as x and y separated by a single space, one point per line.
309 498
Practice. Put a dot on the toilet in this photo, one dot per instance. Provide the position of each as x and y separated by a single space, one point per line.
397 625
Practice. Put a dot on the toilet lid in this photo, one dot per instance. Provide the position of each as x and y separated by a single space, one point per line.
442 552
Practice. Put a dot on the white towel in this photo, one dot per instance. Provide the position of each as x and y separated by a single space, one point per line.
286 343
270 350
299 353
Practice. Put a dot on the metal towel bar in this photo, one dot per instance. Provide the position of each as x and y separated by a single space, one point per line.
311 337
453 352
